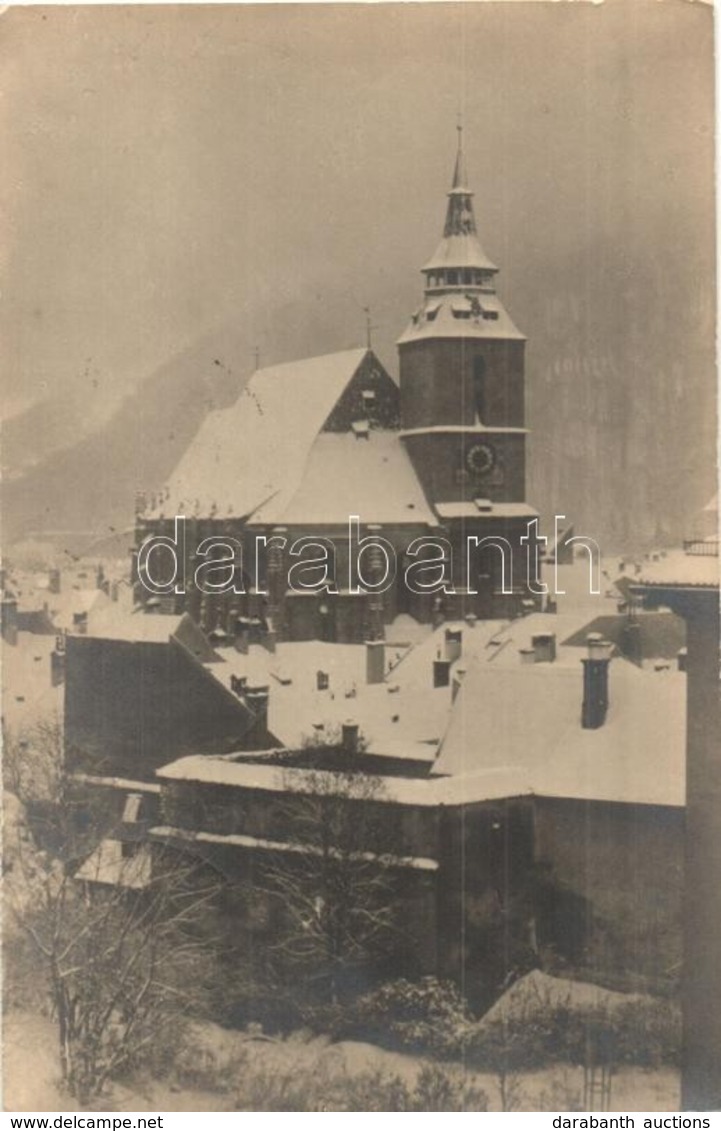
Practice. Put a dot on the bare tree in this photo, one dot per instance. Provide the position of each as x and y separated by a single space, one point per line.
337 879
119 934
32 763
123 956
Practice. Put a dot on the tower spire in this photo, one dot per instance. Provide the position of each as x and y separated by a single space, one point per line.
460 220
460 279
459 173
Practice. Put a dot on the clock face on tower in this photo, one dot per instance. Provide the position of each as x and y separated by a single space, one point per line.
481 459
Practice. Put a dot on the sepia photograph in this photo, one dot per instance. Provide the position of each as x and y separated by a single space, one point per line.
361 715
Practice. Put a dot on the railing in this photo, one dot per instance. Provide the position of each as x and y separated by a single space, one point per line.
706 548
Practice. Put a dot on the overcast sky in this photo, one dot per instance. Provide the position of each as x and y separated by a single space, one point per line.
170 170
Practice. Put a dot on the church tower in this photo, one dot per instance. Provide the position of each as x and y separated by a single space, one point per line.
462 387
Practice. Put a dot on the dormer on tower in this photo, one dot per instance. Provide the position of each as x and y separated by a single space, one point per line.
462 368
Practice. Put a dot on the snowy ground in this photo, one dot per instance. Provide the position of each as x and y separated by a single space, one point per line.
30 1072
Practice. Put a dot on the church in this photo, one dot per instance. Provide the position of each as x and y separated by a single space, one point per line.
308 444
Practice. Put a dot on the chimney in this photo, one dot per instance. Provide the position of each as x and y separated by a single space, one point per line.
544 646
458 677
349 739
441 673
57 668
9 619
375 661
453 644
256 698
527 655
241 634
681 658
238 685
595 682
54 581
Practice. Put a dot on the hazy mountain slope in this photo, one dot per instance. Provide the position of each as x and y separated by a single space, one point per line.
620 396
88 488
52 423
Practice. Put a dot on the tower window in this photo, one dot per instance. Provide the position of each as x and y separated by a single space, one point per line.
466 276
452 278
479 387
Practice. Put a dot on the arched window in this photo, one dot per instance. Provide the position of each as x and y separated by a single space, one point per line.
479 387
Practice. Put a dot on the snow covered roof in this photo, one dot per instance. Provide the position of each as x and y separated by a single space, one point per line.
108 865
405 722
463 250
71 602
372 477
137 627
437 319
240 840
529 717
256 450
537 993
679 570
493 510
513 729
28 696
123 784
481 431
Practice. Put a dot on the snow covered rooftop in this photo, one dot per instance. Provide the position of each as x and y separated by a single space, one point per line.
493 510
28 697
514 729
108 865
462 250
138 627
529 717
438 319
256 450
684 570
371 477
240 840
402 718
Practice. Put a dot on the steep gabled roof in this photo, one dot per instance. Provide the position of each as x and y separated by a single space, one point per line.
346 475
256 450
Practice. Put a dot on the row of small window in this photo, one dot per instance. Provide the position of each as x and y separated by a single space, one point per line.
463 277
489 315
460 312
